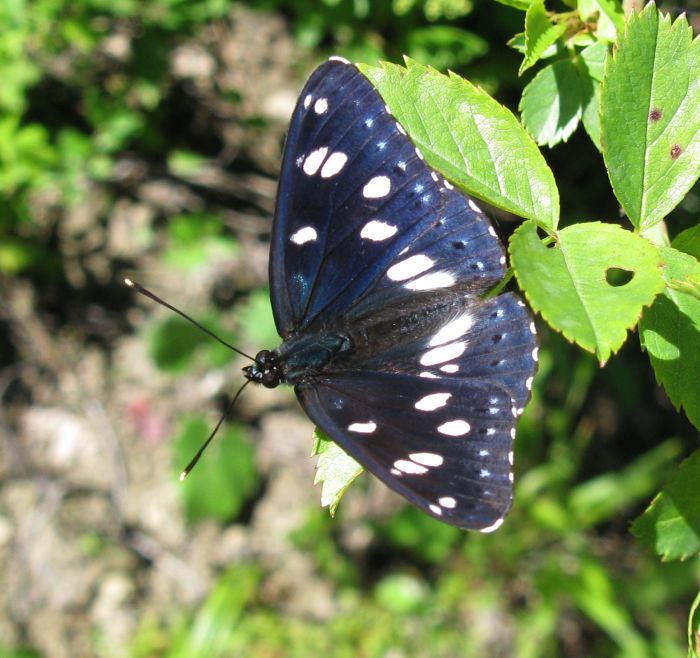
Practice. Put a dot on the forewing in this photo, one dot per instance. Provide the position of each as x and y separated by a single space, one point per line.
358 210
445 445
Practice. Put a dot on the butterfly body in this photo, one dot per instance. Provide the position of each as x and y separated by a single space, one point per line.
378 270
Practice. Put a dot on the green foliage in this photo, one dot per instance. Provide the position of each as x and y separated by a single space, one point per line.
569 283
335 470
470 138
117 102
224 478
540 34
670 332
650 111
591 281
174 343
671 525
197 239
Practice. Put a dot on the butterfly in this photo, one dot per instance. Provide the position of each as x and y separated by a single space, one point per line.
378 268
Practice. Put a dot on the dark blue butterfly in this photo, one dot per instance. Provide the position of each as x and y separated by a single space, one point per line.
377 270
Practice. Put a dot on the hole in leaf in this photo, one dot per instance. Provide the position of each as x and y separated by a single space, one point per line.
546 239
617 277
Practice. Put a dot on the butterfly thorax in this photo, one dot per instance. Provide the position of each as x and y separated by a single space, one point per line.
298 358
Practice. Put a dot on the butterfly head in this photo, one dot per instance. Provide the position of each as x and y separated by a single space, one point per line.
266 370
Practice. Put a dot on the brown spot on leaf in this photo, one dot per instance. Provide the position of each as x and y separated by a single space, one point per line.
676 150
655 115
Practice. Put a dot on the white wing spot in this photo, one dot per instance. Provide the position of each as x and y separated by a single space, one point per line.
521 303
450 368
448 185
434 176
510 477
520 411
401 165
387 110
502 260
428 375
493 527
378 187
321 106
410 267
377 230
483 453
452 330
510 457
448 502
493 410
369 122
435 509
399 127
336 161
419 154
474 207
492 231
432 281
337 58
427 458
533 330
528 383
535 353
443 353
303 235
394 471
490 431
406 466
314 159
307 101
363 428
299 161
454 428
484 473
512 433
432 401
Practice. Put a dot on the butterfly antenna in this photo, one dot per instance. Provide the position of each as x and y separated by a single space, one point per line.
195 459
147 293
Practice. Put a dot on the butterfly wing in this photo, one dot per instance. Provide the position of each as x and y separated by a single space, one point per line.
447 448
354 195
371 243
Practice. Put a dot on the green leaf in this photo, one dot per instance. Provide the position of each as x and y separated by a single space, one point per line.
593 58
670 332
688 241
445 46
552 103
540 34
590 283
591 116
650 116
470 138
516 4
610 17
256 320
335 470
223 479
671 524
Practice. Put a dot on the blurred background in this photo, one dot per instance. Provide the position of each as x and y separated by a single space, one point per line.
142 138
